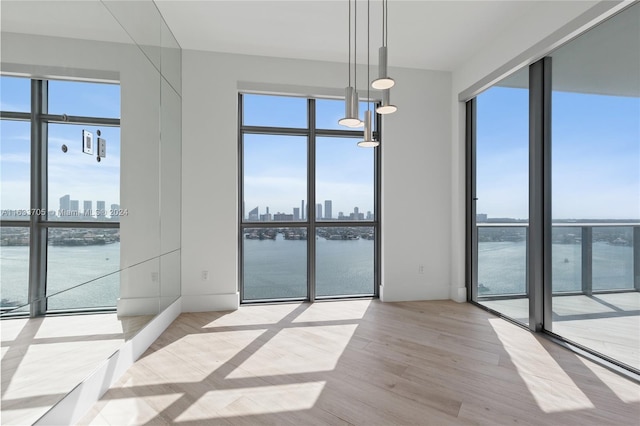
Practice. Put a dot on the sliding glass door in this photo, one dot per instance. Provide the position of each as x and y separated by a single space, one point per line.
564 146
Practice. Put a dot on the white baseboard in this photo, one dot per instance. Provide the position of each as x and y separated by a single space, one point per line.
211 302
70 409
459 294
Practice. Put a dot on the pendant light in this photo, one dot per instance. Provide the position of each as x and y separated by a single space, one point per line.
386 107
383 81
351 101
368 141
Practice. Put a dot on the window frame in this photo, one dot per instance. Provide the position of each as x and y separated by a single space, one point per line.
39 225
310 223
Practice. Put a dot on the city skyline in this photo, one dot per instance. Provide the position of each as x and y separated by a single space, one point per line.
255 215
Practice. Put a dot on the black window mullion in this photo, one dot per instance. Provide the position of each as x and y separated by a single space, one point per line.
38 232
539 248
471 245
311 204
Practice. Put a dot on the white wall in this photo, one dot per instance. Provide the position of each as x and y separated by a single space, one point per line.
547 26
416 178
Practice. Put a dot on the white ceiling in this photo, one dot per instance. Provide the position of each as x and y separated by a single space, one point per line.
437 35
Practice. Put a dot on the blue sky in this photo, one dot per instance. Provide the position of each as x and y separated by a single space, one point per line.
344 171
595 155
73 172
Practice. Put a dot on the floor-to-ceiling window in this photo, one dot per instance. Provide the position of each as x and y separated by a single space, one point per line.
582 257
60 195
308 213
502 196
595 201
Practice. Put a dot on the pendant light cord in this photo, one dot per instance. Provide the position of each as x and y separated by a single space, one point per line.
383 42
349 58
368 55
385 20
355 45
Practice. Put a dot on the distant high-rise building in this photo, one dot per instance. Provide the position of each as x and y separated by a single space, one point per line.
88 208
65 205
481 217
115 211
101 212
296 213
318 211
356 215
254 214
302 210
74 207
340 216
283 217
266 217
369 215
327 209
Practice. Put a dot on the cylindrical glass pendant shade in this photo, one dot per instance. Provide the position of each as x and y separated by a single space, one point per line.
383 81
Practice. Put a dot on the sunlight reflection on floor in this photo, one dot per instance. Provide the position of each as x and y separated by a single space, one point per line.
550 386
253 401
295 350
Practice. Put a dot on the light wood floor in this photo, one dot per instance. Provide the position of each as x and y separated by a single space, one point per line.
607 323
44 358
362 363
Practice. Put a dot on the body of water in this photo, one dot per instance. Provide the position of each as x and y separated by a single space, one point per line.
502 267
67 266
276 268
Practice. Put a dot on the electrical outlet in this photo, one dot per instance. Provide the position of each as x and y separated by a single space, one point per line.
205 275
421 269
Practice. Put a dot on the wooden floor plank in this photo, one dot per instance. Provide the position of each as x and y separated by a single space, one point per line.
363 363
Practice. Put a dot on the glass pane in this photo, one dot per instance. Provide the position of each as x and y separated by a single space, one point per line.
14 264
502 261
612 258
15 94
274 111
274 263
84 99
345 261
502 188
344 180
15 159
329 111
566 258
596 185
275 178
90 257
81 188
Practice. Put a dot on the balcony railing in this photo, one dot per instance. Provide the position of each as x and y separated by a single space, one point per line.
586 258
